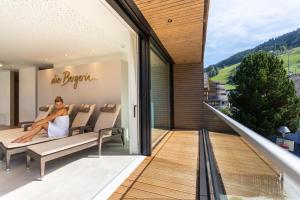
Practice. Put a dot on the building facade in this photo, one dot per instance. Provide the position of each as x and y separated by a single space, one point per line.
217 96
155 53
296 79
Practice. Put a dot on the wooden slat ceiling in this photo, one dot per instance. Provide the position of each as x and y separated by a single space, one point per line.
183 36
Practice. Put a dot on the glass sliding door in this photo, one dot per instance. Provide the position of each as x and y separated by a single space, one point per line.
132 91
126 44
160 97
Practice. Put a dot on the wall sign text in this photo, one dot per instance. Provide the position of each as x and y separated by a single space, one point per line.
67 78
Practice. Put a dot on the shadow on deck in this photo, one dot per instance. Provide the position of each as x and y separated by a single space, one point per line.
244 171
171 171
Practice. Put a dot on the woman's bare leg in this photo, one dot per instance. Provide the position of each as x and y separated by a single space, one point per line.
28 136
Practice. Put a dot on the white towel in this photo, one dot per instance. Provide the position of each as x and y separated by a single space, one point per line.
60 126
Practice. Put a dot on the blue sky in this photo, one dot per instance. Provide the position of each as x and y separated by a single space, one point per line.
236 25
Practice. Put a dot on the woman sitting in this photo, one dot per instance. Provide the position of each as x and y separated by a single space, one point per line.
56 124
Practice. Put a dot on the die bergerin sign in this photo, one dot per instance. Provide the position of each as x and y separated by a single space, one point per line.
67 78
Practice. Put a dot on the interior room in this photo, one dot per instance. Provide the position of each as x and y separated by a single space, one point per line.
62 42
85 53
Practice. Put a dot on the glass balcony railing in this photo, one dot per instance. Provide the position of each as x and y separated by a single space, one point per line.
251 166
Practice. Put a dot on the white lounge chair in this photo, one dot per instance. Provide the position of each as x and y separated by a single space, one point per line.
23 125
41 116
103 130
7 148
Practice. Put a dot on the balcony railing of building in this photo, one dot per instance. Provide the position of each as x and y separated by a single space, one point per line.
218 97
285 186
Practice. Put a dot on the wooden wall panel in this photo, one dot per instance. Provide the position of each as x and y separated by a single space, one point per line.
179 24
189 110
188 96
214 123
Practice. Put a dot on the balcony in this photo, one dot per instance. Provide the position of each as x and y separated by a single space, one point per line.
220 97
244 164
215 165
184 165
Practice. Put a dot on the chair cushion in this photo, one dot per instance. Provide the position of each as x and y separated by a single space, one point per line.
8 131
107 119
44 114
6 140
47 148
111 108
81 118
44 108
70 108
84 108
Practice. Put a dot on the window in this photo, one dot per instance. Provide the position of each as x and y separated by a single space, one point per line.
160 97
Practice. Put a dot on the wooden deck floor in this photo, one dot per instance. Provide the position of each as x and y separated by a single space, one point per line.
243 171
170 173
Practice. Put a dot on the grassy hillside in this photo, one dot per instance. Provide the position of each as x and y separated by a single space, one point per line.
224 75
226 72
294 60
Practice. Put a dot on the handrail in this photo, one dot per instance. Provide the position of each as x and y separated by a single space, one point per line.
288 163
214 179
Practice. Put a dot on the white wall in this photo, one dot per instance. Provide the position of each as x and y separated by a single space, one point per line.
27 94
106 89
114 78
5 98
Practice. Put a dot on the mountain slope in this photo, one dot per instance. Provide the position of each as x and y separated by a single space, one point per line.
224 76
228 71
278 45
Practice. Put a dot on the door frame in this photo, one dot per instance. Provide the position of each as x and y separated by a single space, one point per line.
129 11
14 98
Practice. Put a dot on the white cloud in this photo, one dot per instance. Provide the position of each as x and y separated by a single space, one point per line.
240 24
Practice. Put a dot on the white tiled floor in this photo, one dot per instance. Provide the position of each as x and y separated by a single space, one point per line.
79 176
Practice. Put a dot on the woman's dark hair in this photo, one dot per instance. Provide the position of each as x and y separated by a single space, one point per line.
58 99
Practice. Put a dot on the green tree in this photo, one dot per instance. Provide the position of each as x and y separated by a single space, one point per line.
264 98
